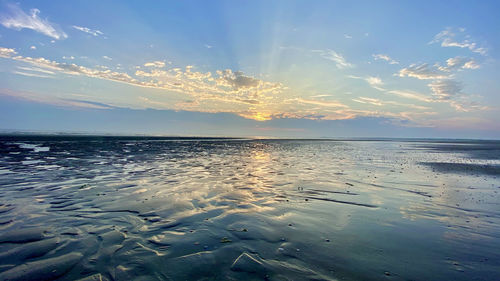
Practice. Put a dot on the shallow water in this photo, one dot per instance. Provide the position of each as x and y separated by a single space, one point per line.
117 208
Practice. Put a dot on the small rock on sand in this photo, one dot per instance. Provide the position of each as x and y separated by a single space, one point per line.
225 240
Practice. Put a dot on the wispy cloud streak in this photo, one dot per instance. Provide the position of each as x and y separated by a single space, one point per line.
87 30
457 38
17 19
384 58
337 58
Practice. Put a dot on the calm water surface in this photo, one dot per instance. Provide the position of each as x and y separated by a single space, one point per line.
189 209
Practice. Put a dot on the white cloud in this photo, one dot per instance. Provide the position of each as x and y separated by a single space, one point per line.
30 74
36 69
17 19
470 65
374 82
320 96
7 52
449 38
445 89
385 57
337 58
458 63
239 93
366 100
157 64
237 80
378 102
347 36
321 103
442 85
410 95
208 46
225 91
107 58
93 32
463 104
33 47
423 72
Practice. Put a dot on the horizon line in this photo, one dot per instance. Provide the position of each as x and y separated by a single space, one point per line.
21 133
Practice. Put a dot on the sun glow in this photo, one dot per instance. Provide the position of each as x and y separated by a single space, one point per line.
257 116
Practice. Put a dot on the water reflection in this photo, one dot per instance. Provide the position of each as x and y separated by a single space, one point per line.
235 209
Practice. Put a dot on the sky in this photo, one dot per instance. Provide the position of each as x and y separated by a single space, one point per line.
252 68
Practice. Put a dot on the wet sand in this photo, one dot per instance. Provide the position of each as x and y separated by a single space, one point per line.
199 209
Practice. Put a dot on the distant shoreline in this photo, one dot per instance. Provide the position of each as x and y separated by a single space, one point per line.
74 136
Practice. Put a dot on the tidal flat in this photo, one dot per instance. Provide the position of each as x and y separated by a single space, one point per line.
139 208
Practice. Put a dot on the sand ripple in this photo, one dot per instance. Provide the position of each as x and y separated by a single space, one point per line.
152 209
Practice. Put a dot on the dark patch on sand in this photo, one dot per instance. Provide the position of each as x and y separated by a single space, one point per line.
443 167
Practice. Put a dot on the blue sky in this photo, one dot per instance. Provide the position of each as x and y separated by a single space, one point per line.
252 68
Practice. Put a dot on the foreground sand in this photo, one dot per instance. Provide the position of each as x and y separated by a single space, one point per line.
121 209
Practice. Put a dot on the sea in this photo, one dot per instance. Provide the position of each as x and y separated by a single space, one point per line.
170 208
